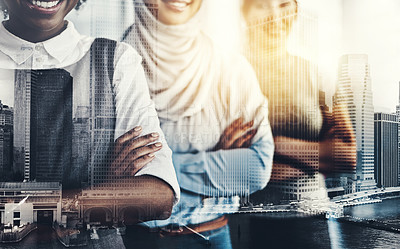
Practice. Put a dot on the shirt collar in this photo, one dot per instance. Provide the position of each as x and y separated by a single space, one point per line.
61 45
14 47
20 50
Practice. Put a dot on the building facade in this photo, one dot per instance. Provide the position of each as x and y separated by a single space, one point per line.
354 93
386 150
30 202
6 141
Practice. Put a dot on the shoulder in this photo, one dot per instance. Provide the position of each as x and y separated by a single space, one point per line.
125 54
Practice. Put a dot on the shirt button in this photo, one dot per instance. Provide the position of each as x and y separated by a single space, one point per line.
39 59
38 47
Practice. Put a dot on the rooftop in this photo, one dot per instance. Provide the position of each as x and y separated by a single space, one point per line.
7 186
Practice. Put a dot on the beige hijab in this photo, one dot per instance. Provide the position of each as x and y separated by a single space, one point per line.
179 60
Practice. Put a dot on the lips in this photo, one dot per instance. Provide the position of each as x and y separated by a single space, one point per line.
44 7
177 5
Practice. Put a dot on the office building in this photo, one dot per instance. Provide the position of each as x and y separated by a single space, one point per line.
42 139
50 125
386 151
354 96
6 141
22 113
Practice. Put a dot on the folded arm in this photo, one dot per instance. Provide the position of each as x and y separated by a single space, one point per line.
239 171
141 174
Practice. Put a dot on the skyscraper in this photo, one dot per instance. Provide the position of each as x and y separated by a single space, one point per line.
42 139
50 125
386 150
354 92
6 141
22 113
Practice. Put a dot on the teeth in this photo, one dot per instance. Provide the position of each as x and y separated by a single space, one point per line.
178 4
45 5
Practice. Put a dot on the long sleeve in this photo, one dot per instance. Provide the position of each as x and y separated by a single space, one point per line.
226 172
135 108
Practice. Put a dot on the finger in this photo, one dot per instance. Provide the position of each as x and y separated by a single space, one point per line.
121 151
238 133
127 158
245 140
139 152
128 136
232 133
135 142
140 163
132 168
232 127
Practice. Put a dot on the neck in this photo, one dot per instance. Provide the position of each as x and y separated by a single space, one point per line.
31 34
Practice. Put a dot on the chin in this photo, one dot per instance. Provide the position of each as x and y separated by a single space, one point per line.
46 25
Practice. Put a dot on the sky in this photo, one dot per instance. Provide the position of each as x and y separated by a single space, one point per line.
373 27
369 27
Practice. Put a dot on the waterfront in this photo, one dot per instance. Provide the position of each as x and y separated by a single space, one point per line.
259 231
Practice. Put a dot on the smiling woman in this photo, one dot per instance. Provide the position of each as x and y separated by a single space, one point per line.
75 78
174 12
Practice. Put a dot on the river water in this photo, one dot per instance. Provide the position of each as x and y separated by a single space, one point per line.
259 231
266 231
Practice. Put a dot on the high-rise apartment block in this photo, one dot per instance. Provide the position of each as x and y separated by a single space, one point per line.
354 93
386 149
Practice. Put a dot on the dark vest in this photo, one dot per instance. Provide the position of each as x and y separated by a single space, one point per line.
74 151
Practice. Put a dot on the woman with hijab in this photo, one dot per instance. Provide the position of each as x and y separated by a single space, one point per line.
214 117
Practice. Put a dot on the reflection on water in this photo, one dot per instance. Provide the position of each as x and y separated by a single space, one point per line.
335 234
43 237
386 210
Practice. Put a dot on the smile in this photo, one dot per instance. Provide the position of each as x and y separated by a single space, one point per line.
177 5
44 4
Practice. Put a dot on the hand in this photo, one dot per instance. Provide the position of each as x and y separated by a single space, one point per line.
236 135
132 152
